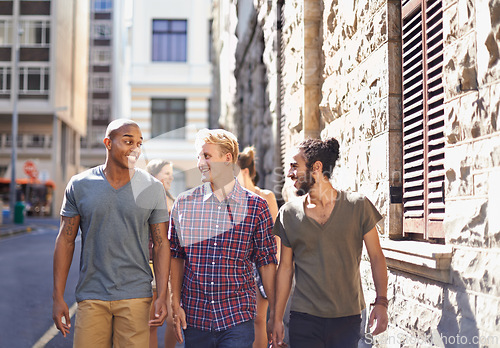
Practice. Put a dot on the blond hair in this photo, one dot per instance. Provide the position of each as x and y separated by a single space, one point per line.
226 140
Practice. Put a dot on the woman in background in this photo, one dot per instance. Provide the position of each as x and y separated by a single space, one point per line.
163 171
247 179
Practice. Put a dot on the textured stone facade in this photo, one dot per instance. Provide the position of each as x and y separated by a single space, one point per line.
355 61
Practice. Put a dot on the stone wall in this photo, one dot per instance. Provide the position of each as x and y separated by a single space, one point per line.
256 94
360 80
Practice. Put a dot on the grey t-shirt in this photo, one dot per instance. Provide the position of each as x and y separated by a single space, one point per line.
114 262
327 257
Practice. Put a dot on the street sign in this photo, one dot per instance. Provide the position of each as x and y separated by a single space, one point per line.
30 169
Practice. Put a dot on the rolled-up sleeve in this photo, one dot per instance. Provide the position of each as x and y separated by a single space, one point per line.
264 251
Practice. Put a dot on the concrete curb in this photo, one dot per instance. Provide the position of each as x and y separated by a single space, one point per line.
11 230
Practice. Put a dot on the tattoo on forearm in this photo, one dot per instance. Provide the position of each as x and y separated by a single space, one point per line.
156 234
71 226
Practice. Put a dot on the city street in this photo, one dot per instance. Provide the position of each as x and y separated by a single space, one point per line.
26 288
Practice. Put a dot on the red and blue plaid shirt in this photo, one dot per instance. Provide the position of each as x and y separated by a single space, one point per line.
219 241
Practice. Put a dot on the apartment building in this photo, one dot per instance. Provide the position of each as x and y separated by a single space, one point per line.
170 81
50 96
106 75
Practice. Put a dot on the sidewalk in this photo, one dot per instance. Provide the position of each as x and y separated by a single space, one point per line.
7 228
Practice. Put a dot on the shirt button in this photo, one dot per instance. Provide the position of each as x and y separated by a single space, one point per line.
213 301
213 263
219 208
217 226
211 283
215 244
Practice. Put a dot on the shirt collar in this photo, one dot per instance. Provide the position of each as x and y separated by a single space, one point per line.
237 193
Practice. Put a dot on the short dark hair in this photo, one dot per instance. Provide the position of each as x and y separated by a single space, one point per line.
326 151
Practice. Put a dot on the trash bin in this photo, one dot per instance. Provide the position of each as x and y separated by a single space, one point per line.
19 212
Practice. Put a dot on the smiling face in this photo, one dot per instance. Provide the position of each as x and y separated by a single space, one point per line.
300 174
166 176
124 146
214 165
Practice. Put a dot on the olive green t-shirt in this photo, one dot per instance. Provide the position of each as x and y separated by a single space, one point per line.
327 257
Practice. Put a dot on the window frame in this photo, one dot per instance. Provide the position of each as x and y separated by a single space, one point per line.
105 5
106 35
423 137
166 129
161 39
24 73
30 26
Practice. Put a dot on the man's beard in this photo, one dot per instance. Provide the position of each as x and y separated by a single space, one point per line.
307 182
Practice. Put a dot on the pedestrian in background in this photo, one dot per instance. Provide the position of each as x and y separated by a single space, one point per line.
163 171
115 206
322 237
218 230
247 179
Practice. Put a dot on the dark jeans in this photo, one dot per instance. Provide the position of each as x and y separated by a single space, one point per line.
308 331
240 336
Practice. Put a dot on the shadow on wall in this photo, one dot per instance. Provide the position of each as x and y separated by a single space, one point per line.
412 325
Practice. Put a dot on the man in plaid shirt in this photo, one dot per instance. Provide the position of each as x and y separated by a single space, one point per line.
217 230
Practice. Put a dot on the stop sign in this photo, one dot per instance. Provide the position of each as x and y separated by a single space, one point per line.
30 169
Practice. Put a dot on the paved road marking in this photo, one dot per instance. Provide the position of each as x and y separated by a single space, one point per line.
52 332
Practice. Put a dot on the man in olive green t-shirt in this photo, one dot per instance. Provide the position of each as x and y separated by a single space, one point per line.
322 234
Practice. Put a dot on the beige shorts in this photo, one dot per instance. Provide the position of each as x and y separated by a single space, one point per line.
106 324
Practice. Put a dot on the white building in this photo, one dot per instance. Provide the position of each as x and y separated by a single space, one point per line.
170 80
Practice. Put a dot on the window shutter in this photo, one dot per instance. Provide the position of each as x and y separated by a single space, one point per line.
423 118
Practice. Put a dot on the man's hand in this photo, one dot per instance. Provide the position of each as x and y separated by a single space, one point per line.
269 328
59 311
179 321
379 313
278 335
161 312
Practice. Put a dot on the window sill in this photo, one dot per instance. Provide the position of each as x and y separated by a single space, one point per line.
426 260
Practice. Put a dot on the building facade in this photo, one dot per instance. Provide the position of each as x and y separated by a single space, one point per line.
410 91
50 96
170 81
107 77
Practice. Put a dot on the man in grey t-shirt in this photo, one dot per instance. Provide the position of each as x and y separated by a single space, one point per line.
322 237
115 205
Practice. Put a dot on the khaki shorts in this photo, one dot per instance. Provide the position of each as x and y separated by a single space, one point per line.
106 324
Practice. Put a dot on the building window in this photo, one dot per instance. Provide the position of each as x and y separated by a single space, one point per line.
4 80
168 118
102 31
34 81
103 5
101 83
102 56
169 40
423 119
35 33
101 111
35 140
5 33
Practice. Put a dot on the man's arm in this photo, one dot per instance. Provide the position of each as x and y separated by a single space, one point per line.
268 276
176 278
63 255
379 273
161 265
284 277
